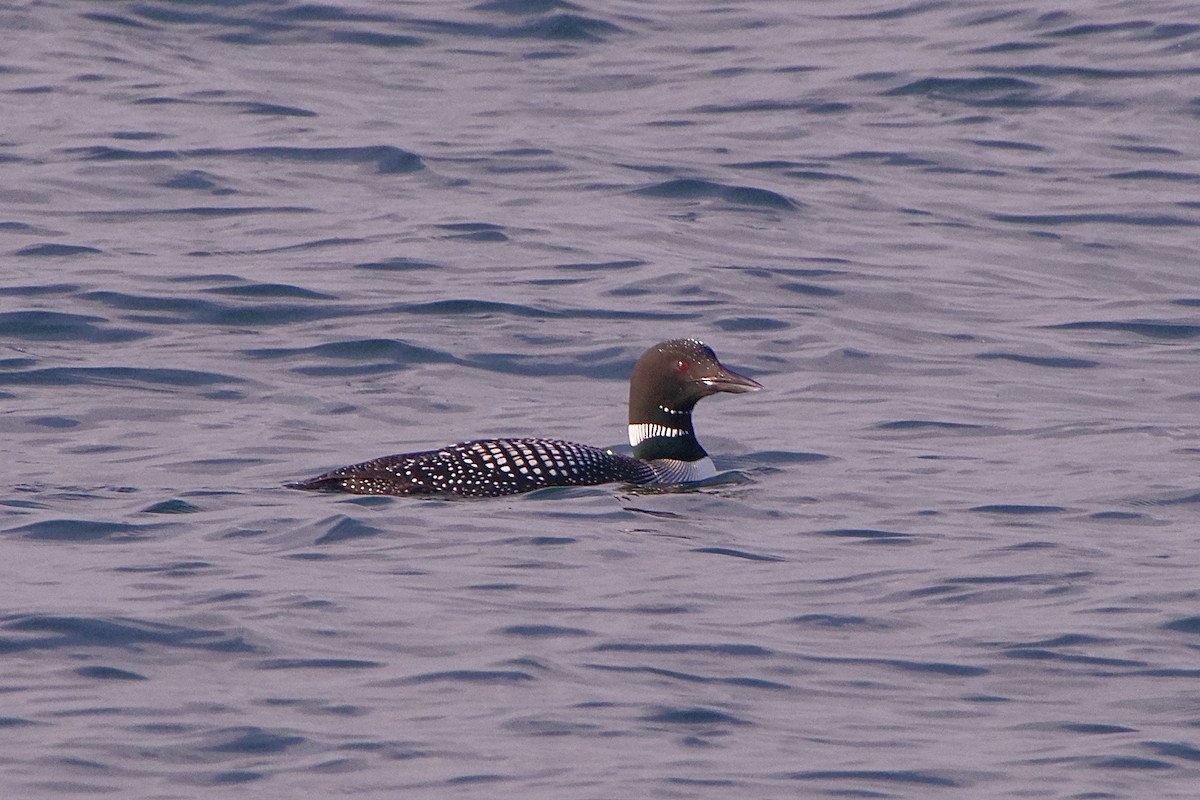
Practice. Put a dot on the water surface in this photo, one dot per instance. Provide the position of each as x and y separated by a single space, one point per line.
245 242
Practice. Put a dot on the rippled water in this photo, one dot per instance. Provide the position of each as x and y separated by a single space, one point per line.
248 241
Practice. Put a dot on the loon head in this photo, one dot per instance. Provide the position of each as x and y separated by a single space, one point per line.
668 381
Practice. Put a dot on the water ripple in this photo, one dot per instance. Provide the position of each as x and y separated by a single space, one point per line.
387 159
468 676
41 632
703 717
696 189
129 377
1057 362
58 326
901 778
78 530
1139 220
1155 329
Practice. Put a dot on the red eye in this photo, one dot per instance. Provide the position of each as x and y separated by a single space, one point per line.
682 366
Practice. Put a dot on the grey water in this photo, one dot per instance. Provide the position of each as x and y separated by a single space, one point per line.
957 552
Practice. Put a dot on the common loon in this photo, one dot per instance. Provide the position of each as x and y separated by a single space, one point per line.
668 381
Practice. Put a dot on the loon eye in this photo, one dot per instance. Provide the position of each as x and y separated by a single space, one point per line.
682 366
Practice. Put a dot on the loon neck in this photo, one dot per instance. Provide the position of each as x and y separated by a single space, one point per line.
664 433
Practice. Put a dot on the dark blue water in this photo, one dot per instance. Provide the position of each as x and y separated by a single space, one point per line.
244 242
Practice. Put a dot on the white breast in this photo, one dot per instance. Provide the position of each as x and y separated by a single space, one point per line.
673 470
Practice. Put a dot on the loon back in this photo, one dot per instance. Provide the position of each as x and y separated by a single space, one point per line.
485 468
667 382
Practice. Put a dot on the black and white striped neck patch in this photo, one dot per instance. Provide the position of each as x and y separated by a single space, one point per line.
641 431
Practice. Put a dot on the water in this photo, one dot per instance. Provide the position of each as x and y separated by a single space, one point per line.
245 242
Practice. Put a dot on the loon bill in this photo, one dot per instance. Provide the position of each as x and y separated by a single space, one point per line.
667 382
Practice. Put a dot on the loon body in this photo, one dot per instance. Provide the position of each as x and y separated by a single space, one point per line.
668 381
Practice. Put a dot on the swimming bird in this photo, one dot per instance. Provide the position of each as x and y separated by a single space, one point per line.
667 382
